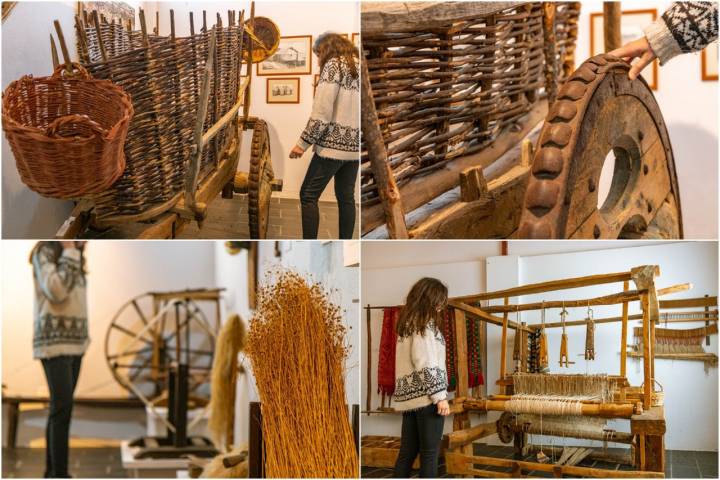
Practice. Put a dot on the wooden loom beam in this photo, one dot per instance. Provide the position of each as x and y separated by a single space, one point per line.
461 421
623 334
550 286
644 278
604 410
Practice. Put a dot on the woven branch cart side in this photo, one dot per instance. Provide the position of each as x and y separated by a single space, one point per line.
449 89
171 81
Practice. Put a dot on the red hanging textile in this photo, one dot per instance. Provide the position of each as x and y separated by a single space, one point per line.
386 357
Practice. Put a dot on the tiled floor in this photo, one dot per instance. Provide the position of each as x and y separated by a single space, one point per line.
229 219
679 464
84 463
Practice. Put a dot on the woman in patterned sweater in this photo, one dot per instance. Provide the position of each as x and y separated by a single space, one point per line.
60 338
334 131
684 27
421 378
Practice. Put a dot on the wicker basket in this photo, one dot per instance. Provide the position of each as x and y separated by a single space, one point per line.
67 132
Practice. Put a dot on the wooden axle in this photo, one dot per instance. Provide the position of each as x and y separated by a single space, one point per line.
617 437
605 410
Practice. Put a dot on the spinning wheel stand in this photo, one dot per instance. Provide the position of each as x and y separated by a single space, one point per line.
176 443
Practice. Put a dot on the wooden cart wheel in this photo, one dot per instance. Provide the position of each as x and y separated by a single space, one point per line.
140 345
260 181
600 111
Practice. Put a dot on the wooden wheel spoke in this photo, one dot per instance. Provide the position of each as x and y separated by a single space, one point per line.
130 334
130 353
139 312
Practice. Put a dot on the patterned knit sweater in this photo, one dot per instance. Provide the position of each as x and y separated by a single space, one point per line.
60 304
334 122
420 373
684 27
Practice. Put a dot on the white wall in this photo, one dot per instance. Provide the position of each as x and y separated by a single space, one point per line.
530 262
689 107
27 51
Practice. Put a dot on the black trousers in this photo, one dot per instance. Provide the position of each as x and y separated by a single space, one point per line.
62 374
421 433
318 175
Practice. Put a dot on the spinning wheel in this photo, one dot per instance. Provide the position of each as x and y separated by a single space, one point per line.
600 111
142 342
260 181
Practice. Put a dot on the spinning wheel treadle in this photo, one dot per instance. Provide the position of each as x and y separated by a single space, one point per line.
599 110
260 181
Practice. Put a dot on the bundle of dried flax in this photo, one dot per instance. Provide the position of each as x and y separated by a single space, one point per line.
297 350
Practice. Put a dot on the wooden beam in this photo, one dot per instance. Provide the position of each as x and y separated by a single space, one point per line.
461 438
623 334
604 410
550 286
611 25
455 460
503 344
390 198
689 303
482 314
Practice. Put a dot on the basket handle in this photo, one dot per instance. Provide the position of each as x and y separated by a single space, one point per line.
56 124
61 72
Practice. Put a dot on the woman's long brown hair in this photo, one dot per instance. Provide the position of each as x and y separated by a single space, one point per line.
425 303
333 45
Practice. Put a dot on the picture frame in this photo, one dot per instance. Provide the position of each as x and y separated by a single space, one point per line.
283 90
632 24
293 57
709 55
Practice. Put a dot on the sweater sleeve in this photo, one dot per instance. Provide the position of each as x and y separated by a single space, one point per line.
323 105
424 357
56 281
684 27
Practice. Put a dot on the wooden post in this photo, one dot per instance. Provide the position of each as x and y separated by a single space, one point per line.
54 53
707 323
473 185
246 105
461 421
644 278
256 459
611 25
623 341
550 52
375 145
368 365
503 345
63 47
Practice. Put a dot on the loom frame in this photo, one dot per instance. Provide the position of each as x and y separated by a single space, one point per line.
647 421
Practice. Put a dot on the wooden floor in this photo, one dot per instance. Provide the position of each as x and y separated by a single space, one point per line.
228 219
679 464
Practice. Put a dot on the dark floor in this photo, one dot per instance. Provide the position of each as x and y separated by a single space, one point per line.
84 463
678 464
228 219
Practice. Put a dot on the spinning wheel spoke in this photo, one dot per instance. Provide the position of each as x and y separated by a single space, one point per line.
131 334
139 312
130 353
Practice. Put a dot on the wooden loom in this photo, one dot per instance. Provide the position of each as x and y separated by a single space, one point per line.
639 405
219 138
447 103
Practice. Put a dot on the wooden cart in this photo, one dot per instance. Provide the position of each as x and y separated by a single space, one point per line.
637 404
192 105
453 102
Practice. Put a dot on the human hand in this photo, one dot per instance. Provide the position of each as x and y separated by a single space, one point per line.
639 48
296 152
68 243
443 408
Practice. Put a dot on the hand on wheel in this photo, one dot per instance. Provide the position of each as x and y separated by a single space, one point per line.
639 48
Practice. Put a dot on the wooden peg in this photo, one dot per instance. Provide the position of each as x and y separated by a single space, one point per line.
473 185
204 29
172 24
157 22
526 153
192 24
63 46
143 28
98 31
54 53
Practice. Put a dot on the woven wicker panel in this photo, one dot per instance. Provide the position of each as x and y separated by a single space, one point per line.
448 91
163 81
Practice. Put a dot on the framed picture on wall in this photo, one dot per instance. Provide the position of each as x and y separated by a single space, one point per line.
283 90
632 23
710 63
316 80
293 57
